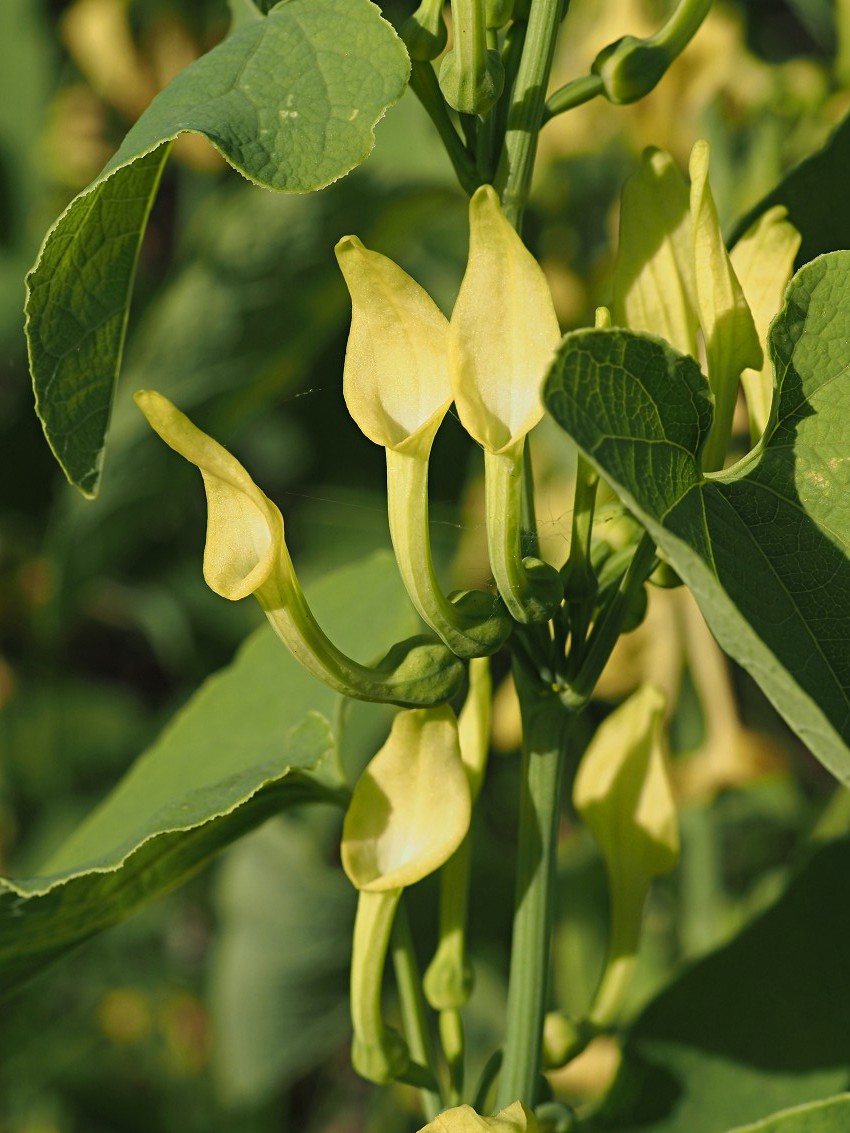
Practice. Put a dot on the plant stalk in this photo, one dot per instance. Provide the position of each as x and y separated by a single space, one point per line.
545 727
525 113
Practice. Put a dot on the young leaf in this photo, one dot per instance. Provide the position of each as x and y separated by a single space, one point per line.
763 546
290 100
236 754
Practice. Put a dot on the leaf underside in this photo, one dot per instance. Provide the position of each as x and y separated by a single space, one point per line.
253 741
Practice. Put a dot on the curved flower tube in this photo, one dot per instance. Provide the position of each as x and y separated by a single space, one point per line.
502 337
397 389
409 812
246 553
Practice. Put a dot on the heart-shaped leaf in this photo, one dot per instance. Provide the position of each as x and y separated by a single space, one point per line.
290 100
250 743
764 545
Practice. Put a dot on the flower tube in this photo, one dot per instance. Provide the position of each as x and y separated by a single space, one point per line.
397 390
246 553
502 337
408 814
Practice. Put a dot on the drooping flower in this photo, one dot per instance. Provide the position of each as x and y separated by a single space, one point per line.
622 793
409 812
246 553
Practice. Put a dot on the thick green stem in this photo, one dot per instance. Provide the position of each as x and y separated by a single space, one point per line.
525 115
545 726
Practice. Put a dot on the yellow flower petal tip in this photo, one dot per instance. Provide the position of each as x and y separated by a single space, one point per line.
463 1119
245 531
411 807
503 330
396 380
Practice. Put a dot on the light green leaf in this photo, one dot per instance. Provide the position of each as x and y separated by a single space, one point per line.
753 1028
764 545
290 100
829 1116
254 740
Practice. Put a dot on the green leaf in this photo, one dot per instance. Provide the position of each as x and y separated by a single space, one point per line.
756 1027
279 1010
763 545
829 1116
290 100
254 740
815 197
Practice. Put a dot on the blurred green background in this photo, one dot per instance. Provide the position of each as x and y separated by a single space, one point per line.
223 1006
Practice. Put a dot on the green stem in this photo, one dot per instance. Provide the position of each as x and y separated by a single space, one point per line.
581 580
482 625
416 1031
571 95
424 84
545 724
608 628
525 114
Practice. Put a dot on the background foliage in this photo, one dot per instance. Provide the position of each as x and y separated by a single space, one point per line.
176 1020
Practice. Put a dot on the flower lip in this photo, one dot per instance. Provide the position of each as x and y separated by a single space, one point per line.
503 332
244 528
395 382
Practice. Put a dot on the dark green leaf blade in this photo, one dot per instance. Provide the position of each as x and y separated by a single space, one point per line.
763 546
814 193
829 1116
756 1027
253 741
290 100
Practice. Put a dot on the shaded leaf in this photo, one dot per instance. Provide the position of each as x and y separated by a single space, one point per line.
814 194
763 545
757 1026
829 1116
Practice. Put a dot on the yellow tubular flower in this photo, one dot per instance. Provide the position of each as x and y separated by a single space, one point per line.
654 286
763 260
623 795
397 389
463 1119
731 340
409 812
246 553
502 338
